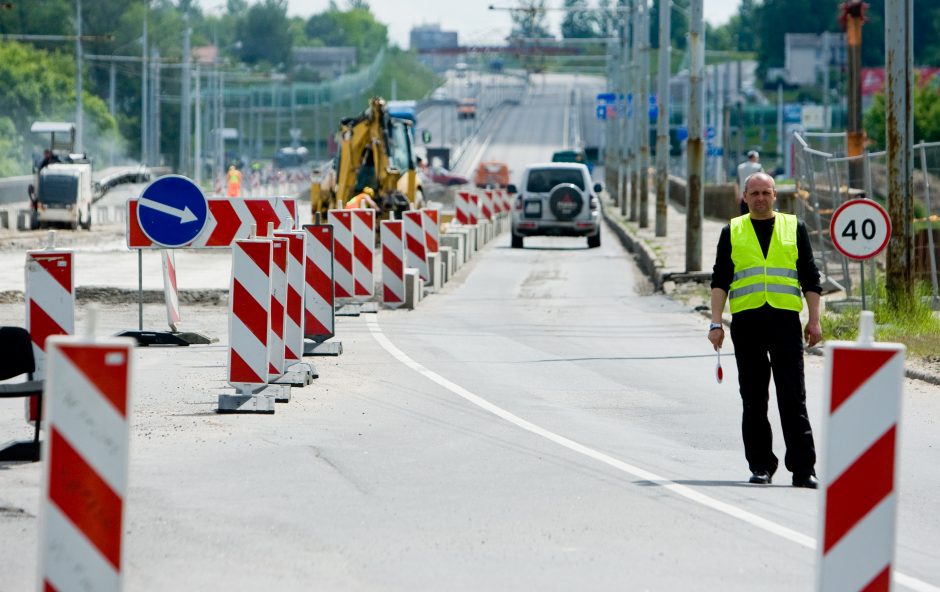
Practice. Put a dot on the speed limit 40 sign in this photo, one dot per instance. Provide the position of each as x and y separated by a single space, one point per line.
860 228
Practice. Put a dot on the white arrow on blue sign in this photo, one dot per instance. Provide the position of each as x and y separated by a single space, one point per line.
172 211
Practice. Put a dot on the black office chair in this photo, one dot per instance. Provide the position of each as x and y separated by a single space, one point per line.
16 358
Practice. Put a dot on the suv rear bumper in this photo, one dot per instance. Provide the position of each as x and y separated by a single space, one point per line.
555 228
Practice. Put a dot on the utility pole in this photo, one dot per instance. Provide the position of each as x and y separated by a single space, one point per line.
198 124
623 156
155 109
185 102
634 110
694 202
852 18
79 124
144 75
899 123
662 122
643 113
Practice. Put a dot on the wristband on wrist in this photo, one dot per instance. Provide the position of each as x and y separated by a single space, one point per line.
714 326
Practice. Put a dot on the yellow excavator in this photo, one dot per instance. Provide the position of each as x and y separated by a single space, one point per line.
376 149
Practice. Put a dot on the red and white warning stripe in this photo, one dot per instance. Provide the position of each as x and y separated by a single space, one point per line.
416 253
486 205
363 230
432 231
171 295
294 313
278 307
474 208
343 279
229 219
50 300
249 314
497 201
858 502
464 211
393 263
87 396
319 315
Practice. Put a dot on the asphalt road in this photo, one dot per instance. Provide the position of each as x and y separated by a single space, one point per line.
543 422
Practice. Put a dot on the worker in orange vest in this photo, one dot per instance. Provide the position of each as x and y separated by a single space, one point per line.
363 200
234 181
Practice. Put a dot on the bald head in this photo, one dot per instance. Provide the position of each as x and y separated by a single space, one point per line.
759 175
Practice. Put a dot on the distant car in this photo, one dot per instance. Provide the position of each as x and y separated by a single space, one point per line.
466 109
573 156
492 174
440 175
556 199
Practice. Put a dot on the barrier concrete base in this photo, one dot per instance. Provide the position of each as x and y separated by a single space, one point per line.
457 242
253 403
322 348
348 309
413 288
447 263
24 219
434 268
299 374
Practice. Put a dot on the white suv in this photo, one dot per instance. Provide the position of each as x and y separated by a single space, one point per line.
558 199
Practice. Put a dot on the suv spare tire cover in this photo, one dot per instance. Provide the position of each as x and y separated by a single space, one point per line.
565 201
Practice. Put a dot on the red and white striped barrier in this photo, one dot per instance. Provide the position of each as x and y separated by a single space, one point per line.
858 501
507 201
278 306
497 200
432 230
416 253
393 263
343 278
294 313
249 317
87 393
486 205
319 315
363 230
464 210
171 295
50 300
474 208
229 219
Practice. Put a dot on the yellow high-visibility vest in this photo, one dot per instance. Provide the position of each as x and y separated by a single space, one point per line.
758 280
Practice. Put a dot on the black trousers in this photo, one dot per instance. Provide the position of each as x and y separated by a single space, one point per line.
770 340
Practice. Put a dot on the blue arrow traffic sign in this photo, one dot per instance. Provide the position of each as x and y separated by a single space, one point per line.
172 211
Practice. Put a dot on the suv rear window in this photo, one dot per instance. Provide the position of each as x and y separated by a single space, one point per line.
543 180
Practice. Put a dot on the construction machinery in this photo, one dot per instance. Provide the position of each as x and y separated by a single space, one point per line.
376 149
64 189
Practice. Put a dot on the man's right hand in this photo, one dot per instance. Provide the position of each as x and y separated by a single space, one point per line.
716 337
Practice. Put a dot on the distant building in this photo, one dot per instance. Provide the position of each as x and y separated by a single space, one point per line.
430 37
327 62
806 56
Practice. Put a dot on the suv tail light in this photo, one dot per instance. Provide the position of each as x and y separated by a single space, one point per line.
517 205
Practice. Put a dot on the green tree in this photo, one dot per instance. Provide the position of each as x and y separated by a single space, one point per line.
264 33
356 27
926 116
37 85
579 22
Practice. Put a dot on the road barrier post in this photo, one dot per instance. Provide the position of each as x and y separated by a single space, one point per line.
363 231
88 392
858 498
416 255
319 293
297 373
343 279
393 263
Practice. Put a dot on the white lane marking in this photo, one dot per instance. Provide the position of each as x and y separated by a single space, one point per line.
680 490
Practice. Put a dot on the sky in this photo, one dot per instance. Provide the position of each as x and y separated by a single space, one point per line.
470 18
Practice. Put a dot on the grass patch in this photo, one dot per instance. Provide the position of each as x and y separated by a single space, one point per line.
915 325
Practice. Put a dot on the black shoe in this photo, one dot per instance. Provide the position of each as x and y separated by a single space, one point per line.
760 478
808 481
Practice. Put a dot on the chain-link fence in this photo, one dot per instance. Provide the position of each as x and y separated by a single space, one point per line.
826 178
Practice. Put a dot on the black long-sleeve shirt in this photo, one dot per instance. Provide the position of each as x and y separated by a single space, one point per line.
808 273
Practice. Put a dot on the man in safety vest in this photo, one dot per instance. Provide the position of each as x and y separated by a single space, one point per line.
363 200
234 178
764 266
